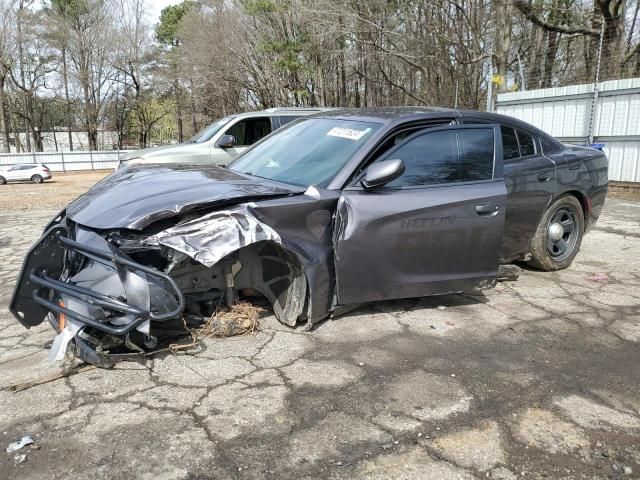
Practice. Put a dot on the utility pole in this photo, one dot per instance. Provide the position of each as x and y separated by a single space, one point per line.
596 86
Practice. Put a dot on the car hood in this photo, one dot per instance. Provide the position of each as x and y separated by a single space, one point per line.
135 197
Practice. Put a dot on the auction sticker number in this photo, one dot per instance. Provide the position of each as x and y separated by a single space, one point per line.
350 133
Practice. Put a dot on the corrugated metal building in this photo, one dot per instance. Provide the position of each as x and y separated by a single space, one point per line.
566 113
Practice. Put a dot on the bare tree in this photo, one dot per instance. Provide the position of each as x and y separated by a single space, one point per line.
7 47
90 49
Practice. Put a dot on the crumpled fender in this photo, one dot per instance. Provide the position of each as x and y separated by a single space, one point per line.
212 237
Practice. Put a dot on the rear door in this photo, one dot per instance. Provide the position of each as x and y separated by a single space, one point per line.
436 229
530 178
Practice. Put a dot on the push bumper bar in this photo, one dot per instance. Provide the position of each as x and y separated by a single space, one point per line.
32 298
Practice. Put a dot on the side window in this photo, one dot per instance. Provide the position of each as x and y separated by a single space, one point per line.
399 137
249 131
436 158
549 147
509 143
526 144
476 154
284 119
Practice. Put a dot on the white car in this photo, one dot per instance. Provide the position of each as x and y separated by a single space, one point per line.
223 140
35 172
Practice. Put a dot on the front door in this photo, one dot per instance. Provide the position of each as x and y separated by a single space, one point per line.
436 229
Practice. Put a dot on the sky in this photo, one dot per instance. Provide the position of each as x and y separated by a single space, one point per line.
156 6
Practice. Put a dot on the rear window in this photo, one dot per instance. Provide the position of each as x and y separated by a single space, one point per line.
284 119
527 146
509 143
549 146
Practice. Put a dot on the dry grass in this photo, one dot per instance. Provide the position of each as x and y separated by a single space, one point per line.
240 319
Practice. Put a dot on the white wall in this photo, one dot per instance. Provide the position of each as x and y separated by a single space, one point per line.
564 112
67 161
106 141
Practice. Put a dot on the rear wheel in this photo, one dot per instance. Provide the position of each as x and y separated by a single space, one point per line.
2 180
37 179
559 234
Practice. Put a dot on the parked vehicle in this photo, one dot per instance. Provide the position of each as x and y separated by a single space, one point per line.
222 141
34 172
332 210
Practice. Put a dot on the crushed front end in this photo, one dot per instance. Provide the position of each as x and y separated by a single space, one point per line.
113 294
94 294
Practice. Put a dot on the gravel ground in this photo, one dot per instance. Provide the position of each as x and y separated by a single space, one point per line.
52 194
536 379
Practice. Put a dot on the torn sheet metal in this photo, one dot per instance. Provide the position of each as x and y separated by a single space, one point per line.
212 237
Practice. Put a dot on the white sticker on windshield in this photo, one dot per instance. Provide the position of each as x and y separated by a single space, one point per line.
350 133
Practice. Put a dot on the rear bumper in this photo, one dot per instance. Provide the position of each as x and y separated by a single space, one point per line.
44 280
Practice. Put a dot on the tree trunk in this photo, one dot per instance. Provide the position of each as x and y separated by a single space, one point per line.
6 147
550 58
16 133
534 60
65 78
194 125
504 17
176 90
26 110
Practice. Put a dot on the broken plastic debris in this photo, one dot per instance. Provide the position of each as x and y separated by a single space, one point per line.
20 458
61 342
23 442
599 277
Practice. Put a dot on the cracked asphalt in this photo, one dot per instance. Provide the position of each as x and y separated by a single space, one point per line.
535 379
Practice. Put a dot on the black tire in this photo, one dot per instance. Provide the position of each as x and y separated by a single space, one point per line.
559 235
3 180
37 179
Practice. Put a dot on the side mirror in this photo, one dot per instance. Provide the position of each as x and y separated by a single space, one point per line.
382 173
226 141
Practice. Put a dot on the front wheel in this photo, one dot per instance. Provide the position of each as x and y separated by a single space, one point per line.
3 180
37 179
559 234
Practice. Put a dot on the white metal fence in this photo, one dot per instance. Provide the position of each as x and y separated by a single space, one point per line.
606 113
66 161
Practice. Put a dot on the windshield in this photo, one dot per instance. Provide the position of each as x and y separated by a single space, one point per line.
309 152
210 130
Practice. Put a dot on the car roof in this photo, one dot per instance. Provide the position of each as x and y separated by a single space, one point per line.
388 114
300 111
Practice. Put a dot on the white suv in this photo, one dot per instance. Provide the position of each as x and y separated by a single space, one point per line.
36 172
223 140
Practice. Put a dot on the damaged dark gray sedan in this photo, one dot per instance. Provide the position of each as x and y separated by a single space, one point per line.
336 209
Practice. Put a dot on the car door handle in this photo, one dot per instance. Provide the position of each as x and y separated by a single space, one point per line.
487 210
545 177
